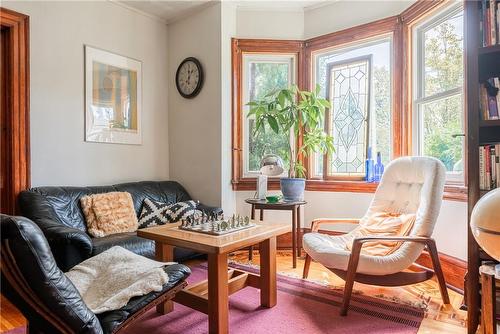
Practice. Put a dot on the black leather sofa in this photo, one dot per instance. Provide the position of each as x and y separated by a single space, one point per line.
32 281
57 211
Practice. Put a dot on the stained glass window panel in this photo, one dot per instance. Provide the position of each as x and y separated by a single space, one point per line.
349 96
379 133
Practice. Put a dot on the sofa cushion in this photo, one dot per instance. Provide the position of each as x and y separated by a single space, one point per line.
109 213
137 245
128 241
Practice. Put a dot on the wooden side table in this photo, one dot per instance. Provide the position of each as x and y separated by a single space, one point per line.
262 205
488 300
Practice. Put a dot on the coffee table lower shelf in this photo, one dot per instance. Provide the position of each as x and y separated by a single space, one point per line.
195 296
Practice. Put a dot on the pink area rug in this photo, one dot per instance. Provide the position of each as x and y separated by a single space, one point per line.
303 307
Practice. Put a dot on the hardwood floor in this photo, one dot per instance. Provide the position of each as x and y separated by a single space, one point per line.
439 318
10 317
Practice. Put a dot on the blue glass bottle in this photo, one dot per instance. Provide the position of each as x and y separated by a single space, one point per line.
379 168
369 172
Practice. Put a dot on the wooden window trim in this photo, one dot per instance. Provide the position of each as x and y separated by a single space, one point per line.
17 108
398 26
239 47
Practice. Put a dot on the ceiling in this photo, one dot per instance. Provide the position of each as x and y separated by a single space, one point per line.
170 10
166 10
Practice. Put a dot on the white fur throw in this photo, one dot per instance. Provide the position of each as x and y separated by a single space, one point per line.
108 280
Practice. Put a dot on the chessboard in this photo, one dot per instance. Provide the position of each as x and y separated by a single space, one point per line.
215 226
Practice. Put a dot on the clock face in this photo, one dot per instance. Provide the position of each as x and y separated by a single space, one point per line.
189 77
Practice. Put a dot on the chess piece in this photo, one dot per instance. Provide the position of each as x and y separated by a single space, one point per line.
247 221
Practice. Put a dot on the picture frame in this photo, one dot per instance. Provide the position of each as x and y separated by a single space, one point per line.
113 98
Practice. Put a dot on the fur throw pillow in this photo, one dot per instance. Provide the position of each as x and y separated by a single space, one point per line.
109 213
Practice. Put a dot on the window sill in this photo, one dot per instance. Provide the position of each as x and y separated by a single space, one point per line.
451 192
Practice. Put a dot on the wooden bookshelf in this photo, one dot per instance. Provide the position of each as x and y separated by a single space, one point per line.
485 50
489 123
481 63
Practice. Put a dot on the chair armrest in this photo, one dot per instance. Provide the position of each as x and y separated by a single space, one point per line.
209 209
358 242
316 223
422 240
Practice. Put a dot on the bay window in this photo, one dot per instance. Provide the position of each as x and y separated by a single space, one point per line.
395 86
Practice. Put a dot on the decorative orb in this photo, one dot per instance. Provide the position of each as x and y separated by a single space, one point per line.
485 223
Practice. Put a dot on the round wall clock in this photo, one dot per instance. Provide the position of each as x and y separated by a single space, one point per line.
189 77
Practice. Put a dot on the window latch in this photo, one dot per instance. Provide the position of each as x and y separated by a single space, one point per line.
458 135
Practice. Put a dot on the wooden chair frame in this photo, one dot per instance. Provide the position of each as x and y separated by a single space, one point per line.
397 279
12 273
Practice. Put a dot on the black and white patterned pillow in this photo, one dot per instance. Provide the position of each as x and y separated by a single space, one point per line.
155 213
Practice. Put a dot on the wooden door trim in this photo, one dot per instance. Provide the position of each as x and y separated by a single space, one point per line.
18 119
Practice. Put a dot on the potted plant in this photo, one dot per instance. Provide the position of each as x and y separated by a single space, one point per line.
292 111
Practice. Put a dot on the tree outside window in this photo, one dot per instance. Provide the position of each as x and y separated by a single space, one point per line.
438 90
264 74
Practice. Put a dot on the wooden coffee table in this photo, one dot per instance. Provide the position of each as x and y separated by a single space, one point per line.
212 296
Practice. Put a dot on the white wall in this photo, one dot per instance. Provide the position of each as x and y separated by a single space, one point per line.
271 24
58 32
450 231
194 125
228 30
345 14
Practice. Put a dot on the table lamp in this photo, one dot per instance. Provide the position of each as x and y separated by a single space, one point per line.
270 165
485 224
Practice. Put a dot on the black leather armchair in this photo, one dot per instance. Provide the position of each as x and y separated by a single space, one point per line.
57 211
47 298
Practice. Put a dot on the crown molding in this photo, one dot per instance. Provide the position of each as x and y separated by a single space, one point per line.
188 12
181 15
138 11
320 5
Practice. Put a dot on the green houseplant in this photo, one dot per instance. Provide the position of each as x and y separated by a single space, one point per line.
294 112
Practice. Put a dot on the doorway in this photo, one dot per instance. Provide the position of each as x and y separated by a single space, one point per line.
14 108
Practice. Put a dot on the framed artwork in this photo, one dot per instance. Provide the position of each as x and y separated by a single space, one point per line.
113 98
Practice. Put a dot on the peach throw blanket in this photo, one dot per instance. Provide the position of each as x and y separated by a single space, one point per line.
383 224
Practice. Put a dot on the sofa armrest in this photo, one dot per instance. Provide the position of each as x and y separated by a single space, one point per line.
209 209
69 245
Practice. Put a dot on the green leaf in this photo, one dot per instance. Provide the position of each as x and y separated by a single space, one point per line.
282 99
324 103
273 123
318 89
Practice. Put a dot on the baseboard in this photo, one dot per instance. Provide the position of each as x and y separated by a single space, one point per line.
454 269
